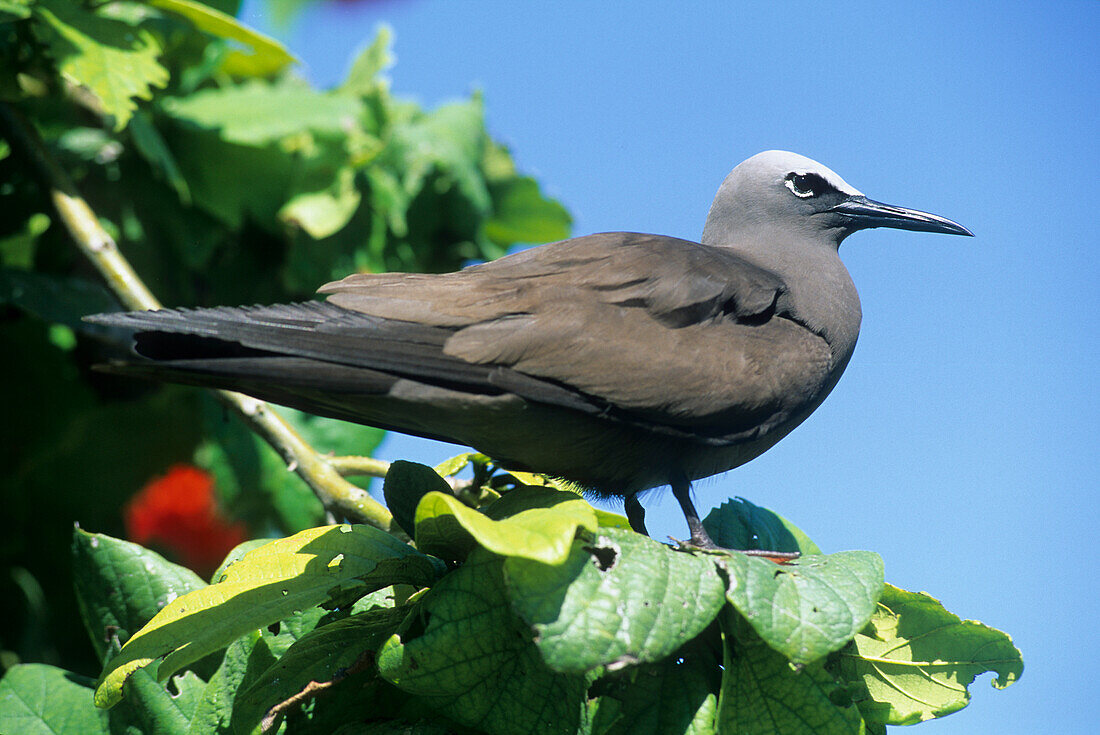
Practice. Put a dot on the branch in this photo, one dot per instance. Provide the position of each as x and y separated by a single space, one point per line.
337 494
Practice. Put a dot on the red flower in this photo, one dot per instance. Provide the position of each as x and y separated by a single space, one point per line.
178 513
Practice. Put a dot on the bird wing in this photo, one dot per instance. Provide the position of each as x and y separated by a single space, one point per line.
654 330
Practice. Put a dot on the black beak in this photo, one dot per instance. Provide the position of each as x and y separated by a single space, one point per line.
864 213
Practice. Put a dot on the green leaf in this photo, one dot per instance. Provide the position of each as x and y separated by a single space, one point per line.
363 77
915 660
763 695
245 660
120 585
114 61
676 695
466 654
267 56
150 144
522 215
256 113
237 553
608 519
266 585
151 708
619 599
738 524
405 484
18 9
325 211
807 608
540 525
395 727
36 699
532 479
454 465
448 140
319 661
215 709
17 248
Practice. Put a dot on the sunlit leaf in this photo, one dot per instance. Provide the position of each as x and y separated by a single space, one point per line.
807 608
266 585
365 73
915 660
114 61
521 214
619 599
265 56
37 699
541 525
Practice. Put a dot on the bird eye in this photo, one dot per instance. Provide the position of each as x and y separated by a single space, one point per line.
805 186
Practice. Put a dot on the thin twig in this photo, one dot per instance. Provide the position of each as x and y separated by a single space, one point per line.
337 494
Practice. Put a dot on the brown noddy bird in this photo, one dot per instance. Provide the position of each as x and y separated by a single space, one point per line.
620 361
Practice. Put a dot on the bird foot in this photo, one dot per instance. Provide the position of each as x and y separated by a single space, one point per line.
706 544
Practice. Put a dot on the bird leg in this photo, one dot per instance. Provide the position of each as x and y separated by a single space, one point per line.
635 513
681 490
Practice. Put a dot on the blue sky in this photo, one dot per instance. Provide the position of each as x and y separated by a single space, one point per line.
962 441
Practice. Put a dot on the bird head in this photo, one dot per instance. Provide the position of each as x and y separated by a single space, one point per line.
778 194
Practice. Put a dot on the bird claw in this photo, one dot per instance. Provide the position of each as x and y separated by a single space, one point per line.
707 545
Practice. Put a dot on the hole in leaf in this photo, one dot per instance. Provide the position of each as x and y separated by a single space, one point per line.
274 628
604 557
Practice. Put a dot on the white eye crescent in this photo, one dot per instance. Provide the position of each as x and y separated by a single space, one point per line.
805 186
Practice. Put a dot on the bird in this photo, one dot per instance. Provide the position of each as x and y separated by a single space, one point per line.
619 361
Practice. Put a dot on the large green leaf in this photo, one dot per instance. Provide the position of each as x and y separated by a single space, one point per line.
466 654
321 660
36 699
120 586
113 60
807 608
915 660
266 585
763 695
540 526
619 599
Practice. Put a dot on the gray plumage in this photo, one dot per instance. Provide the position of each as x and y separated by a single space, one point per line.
620 361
